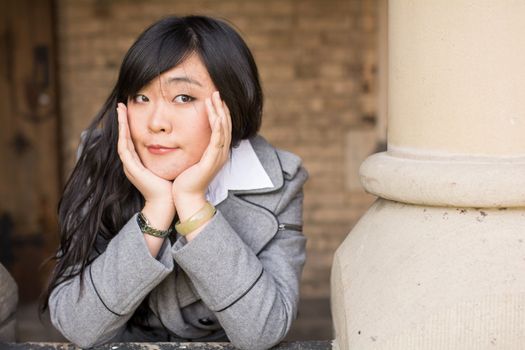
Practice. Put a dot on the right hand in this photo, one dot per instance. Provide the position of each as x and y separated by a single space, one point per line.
154 189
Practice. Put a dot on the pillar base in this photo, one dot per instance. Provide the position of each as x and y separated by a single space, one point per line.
416 277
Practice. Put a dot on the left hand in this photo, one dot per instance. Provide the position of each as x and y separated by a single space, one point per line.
189 188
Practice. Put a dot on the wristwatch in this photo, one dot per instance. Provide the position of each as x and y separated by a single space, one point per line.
146 228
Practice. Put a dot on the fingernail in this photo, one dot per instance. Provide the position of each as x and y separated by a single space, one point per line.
217 94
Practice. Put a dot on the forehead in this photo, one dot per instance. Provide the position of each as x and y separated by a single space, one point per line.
191 71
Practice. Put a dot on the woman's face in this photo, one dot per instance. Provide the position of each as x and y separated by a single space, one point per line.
168 121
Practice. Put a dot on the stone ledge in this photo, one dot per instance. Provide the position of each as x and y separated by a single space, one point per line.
295 345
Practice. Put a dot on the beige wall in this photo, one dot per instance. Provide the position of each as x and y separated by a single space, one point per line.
317 61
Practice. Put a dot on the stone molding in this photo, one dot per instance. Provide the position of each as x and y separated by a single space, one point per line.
456 181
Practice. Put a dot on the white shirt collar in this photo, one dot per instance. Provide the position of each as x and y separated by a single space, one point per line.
242 171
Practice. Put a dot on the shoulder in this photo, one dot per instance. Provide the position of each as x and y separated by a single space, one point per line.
286 172
267 208
280 165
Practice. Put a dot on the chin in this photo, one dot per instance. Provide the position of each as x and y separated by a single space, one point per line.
161 169
167 175
167 170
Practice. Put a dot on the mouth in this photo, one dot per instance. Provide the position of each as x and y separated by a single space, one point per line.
160 150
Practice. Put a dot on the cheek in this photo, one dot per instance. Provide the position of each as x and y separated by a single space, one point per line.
198 128
203 133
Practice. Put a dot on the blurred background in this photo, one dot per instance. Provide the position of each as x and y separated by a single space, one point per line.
322 65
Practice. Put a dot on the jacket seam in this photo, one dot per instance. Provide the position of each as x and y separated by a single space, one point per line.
98 295
8 319
245 292
298 193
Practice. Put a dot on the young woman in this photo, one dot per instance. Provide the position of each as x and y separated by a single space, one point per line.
179 222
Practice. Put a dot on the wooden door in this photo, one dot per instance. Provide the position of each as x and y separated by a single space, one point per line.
29 142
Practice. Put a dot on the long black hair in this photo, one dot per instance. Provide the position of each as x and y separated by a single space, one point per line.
98 198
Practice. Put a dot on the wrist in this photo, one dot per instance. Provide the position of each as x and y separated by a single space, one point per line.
149 230
160 215
188 204
196 222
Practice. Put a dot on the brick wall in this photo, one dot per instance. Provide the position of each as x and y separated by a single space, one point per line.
318 64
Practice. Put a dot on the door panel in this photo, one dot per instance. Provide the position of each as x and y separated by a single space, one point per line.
29 142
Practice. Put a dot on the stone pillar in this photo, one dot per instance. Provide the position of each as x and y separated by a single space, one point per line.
8 301
438 262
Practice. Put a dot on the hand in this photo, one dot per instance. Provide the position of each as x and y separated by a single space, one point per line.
155 190
189 188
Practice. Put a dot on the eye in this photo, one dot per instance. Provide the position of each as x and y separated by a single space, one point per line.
140 98
183 99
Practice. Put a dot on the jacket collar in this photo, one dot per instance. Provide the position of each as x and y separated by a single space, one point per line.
242 171
270 161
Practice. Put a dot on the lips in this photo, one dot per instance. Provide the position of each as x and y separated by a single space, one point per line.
160 150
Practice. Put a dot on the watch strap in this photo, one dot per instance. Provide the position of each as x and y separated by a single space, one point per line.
146 227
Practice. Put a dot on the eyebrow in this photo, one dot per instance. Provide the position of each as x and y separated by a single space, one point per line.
189 80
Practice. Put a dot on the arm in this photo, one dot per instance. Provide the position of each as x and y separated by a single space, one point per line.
94 310
114 285
254 297
158 206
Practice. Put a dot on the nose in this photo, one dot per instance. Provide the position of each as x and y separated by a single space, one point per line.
159 120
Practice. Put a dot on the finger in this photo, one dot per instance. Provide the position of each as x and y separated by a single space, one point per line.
126 148
223 112
228 115
228 125
121 144
212 154
224 120
216 134
210 110
122 119
124 132
218 105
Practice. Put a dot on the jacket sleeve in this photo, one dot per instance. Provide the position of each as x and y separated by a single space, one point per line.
254 296
114 285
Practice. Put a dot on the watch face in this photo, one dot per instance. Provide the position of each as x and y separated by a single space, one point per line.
141 220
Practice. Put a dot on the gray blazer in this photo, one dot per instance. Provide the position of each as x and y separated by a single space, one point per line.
238 280
8 303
